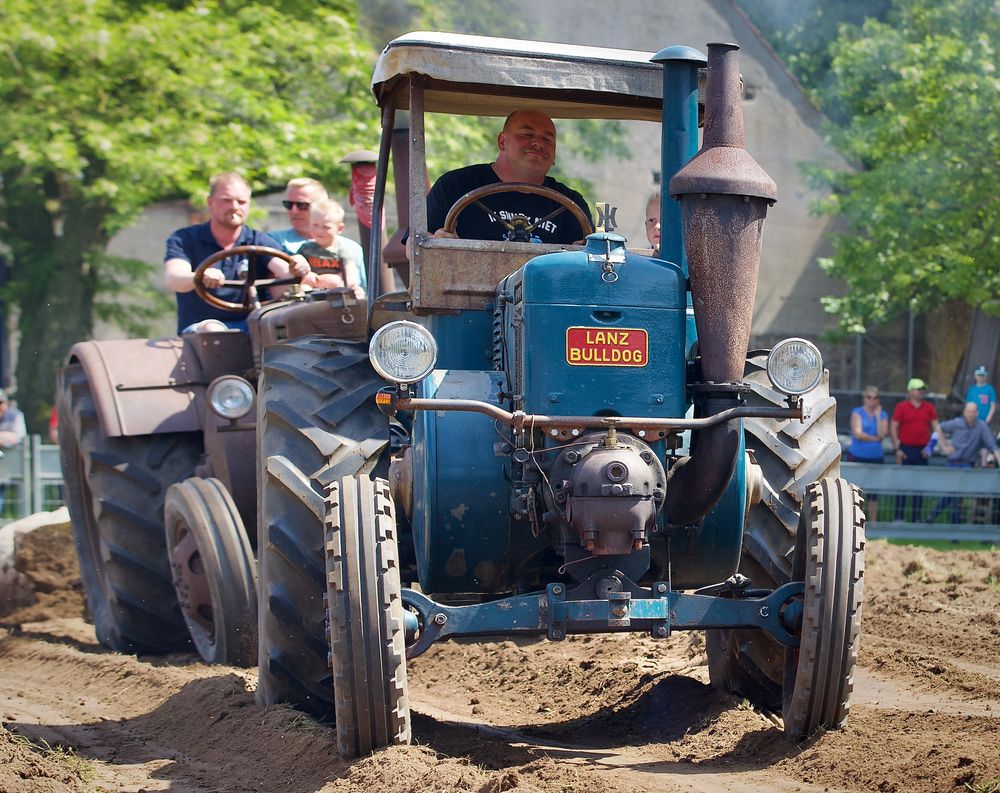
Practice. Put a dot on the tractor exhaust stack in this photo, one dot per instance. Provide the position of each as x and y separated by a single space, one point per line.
724 195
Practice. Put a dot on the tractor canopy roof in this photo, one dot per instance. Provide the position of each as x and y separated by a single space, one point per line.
484 76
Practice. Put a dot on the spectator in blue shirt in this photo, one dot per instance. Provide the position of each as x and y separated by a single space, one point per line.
228 205
969 435
12 432
12 429
869 425
983 394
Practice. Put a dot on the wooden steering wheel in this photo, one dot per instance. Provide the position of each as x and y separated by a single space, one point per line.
473 196
249 285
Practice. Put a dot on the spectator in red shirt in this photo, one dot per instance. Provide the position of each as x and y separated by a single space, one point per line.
913 420
362 195
53 426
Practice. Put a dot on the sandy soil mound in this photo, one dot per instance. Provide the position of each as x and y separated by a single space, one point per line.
45 560
601 714
30 769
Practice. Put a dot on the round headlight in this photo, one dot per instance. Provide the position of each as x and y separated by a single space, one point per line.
230 397
403 352
795 366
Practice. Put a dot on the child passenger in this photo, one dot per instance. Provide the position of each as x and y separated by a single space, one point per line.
334 263
653 222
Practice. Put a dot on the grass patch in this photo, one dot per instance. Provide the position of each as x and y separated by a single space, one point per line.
70 760
304 723
993 786
948 545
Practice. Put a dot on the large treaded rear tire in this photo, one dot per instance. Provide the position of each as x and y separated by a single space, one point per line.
115 489
317 422
366 617
792 455
830 558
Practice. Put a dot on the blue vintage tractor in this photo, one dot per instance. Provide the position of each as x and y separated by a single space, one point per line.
542 440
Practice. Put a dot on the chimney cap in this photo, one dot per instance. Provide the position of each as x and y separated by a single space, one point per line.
680 53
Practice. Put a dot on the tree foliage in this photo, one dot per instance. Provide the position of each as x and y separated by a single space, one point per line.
113 105
922 205
802 34
110 106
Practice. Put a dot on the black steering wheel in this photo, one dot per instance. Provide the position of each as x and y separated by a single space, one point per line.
249 285
521 227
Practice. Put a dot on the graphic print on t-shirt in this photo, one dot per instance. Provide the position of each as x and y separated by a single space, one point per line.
499 217
489 217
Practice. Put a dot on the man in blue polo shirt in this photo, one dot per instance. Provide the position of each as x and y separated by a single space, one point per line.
228 204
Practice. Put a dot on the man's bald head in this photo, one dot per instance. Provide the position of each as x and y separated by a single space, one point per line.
527 147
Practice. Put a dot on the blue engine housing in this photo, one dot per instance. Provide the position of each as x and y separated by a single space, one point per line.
557 307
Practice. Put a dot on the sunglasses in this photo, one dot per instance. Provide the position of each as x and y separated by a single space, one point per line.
871 396
303 205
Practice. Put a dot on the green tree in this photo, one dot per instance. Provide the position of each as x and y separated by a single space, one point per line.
922 204
802 34
110 106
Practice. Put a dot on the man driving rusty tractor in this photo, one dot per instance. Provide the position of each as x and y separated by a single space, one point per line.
526 151
228 205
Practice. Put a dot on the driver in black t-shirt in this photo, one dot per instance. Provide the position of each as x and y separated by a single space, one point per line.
527 149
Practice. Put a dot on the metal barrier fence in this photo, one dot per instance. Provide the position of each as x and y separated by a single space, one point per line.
30 479
914 502
931 502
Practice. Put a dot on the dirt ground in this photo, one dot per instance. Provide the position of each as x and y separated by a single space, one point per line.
599 714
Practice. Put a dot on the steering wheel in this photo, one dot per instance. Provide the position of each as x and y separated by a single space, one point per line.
472 197
249 285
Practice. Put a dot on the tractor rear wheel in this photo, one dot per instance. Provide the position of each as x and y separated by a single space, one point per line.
317 422
213 571
830 558
366 617
791 455
115 489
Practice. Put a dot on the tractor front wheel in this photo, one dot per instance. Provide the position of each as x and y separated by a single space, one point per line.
830 558
366 617
790 454
213 571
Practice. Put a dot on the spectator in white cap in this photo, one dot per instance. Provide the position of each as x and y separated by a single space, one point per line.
983 394
12 430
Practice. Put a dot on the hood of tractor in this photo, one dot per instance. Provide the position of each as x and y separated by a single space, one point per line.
594 332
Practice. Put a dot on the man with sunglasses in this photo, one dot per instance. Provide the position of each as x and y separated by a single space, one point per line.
300 195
